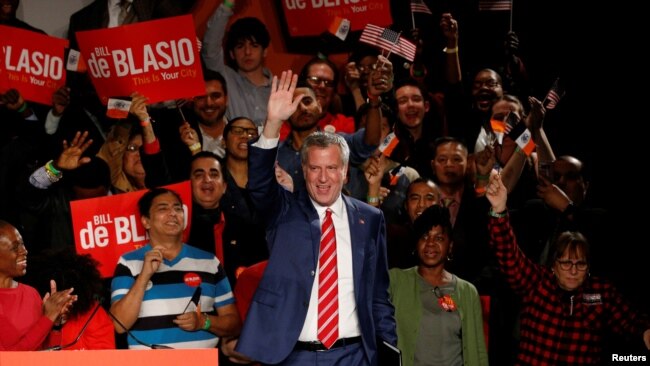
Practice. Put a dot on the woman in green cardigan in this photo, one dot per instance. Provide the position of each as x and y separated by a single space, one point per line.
439 319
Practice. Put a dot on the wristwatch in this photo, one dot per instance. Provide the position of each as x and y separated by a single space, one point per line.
374 102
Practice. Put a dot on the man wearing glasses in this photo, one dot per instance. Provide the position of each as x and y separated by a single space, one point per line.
322 75
468 113
308 117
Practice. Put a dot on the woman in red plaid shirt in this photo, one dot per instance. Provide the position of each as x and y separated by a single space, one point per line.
565 311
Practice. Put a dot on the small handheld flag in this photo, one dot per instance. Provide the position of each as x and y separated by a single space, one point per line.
494 5
75 62
523 138
554 95
499 128
340 27
388 145
118 108
418 6
388 40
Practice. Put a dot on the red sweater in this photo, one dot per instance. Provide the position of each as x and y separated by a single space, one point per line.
99 334
24 327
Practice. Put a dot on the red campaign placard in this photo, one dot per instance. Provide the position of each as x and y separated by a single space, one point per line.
4 83
32 63
159 59
107 227
312 17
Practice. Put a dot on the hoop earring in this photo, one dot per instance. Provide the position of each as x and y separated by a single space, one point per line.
450 257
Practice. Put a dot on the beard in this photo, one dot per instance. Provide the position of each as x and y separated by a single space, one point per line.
300 125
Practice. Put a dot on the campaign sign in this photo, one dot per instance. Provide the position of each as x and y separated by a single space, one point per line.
311 17
32 63
107 227
159 59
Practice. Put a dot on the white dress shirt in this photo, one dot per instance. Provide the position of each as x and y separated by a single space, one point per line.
114 10
348 320
215 145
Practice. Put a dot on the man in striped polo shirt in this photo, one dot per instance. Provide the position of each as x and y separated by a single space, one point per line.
153 285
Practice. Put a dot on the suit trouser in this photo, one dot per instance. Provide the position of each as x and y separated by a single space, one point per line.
352 355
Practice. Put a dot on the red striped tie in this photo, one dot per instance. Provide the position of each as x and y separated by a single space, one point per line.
328 289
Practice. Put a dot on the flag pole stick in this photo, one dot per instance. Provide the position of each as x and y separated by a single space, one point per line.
377 62
412 19
387 56
512 6
180 111
382 63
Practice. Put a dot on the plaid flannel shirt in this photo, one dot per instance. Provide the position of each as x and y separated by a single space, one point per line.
560 327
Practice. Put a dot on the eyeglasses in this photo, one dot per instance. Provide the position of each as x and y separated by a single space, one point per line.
213 96
236 130
367 68
489 83
133 148
567 264
316 81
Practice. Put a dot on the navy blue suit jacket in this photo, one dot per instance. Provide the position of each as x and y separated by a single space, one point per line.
279 307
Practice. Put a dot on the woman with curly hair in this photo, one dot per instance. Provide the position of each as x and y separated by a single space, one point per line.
80 272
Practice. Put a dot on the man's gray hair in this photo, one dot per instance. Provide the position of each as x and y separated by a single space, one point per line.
324 140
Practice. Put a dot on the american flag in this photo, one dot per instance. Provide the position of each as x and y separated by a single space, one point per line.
554 95
494 5
388 40
418 6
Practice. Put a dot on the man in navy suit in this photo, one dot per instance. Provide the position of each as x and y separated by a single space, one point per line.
282 323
